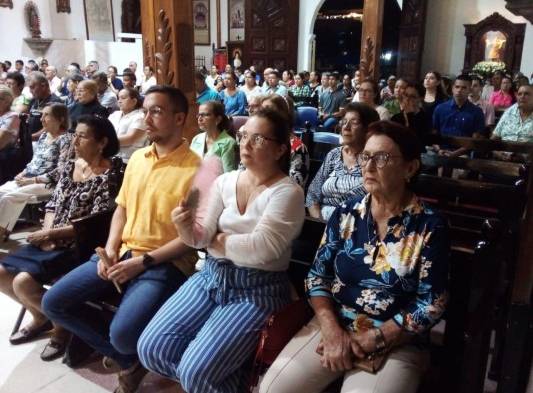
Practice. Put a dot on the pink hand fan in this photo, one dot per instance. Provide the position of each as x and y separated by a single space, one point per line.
198 196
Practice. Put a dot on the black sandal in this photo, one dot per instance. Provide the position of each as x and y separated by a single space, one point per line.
25 335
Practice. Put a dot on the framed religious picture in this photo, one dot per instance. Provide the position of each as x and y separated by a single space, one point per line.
236 20
99 20
200 17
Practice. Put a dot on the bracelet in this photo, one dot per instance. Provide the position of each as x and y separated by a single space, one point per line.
380 339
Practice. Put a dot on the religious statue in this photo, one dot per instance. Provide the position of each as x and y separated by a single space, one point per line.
494 46
237 59
33 21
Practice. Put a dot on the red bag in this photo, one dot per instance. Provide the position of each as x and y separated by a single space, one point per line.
278 331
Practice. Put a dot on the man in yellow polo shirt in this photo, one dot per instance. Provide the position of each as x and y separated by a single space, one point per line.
148 259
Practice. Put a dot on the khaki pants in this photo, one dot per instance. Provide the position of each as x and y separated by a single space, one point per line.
297 369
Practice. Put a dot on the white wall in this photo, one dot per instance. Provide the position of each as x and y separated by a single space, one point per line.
308 12
13 28
445 40
69 37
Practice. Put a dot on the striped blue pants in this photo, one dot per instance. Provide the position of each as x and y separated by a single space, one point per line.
210 327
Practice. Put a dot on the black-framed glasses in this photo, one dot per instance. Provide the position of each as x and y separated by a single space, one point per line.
203 114
257 140
381 159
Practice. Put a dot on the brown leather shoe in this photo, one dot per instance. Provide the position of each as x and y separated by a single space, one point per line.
130 379
53 350
25 334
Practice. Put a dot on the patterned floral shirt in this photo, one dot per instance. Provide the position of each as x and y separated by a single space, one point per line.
334 183
403 277
301 95
47 153
512 128
73 199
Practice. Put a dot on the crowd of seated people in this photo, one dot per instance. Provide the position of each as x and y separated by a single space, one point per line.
199 323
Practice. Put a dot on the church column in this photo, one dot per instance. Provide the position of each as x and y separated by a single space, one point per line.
371 38
168 44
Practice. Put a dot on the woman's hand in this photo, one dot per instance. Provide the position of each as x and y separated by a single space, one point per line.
336 350
24 181
314 211
125 270
218 245
39 237
364 343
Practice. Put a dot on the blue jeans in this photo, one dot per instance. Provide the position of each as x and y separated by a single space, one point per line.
64 303
330 123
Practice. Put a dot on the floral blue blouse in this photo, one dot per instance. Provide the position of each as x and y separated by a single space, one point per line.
403 277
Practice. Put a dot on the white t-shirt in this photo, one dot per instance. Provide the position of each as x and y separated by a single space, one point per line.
123 124
147 84
261 237
251 93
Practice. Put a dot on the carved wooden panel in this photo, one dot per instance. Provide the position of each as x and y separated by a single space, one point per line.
411 40
521 7
271 37
168 46
476 45
371 38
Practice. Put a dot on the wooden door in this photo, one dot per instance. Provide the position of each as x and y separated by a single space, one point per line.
411 41
271 32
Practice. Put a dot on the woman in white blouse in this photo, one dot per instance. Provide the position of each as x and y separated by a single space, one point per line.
129 122
210 326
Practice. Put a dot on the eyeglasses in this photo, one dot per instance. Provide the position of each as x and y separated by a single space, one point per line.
203 114
257 140
381 159
351 124
154 111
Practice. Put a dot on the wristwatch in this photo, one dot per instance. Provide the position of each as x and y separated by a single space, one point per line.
148 261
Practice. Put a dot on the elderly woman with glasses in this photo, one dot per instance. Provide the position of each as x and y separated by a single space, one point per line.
339 177
377 285
203 335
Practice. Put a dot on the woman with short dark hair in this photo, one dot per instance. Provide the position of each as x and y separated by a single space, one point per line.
378 283
339 177
83 189
204 334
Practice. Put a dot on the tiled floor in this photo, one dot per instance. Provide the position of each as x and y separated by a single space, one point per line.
22 370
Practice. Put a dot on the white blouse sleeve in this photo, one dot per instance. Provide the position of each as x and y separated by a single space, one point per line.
280 223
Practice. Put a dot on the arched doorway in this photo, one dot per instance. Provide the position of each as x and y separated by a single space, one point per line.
337 30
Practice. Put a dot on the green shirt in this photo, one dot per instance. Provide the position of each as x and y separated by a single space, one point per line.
223 147
393 106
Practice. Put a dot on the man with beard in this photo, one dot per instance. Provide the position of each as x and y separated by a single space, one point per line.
145 255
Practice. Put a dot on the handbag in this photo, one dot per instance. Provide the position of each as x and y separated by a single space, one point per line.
277 332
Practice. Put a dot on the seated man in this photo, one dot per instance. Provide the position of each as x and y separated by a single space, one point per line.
458 117
516 124
40 90
274 87
147 258
106 97
330 103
